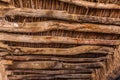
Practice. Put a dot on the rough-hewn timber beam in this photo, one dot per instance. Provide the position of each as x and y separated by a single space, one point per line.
54 39
55 25
53 72
53 58
37 76
55 51
92 4
67 51
54 65
63 15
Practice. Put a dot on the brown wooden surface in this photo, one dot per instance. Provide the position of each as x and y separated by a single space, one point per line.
59 39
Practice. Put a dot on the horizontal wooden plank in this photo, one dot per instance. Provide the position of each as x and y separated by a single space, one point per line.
54 39
34 65
56 51
53 58
62 15
32 76
54 65
57 25
89 4
96 65
53 72
61 51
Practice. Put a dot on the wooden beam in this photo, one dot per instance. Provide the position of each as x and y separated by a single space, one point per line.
56 51
54 65
96 65
62 15
89 4
54 58
54 39
33 65
62 51
37 76
57 25
53 72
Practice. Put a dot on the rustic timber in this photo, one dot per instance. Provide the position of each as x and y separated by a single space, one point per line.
53 58
57 25
54 65
92 4
55 39
59 39
63 15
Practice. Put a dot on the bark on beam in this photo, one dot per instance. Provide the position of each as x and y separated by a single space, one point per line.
54 39
58 51
53 58
62 15
89 4
33 65
53 72
57 25
37 76
54 65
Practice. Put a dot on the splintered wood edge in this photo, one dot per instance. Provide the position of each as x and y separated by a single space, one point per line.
89 4
26 12
55 25
58 51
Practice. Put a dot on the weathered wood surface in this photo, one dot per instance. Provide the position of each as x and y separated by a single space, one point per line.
72 76
54 65
92 4
54 39
53 72
68 51
57 25
53 58
63 15
92 58
56 51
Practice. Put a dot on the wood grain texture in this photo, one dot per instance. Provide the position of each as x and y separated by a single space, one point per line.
62 15
55 39
92 4
57 25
